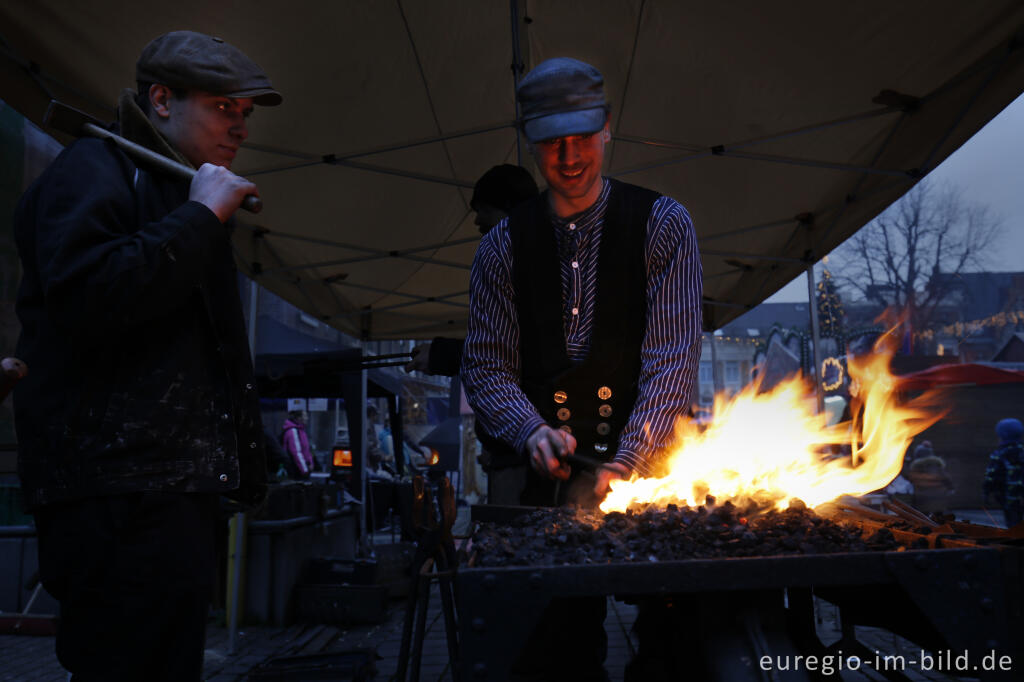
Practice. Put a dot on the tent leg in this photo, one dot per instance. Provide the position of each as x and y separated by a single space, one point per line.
812 307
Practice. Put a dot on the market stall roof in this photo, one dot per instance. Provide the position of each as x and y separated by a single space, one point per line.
965 374
783 127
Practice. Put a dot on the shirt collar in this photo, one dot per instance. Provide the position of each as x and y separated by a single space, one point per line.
588 216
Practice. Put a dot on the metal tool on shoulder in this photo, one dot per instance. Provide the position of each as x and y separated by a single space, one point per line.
69 120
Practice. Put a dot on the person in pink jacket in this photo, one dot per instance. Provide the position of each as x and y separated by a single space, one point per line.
296 443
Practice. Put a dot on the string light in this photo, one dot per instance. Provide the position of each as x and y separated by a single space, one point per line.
961 330
840 374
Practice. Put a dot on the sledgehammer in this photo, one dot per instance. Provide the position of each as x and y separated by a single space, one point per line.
80 124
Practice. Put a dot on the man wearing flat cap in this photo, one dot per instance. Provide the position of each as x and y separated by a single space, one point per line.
139 411
584 327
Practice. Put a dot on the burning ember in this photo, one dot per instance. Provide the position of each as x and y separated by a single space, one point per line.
768 448
560 536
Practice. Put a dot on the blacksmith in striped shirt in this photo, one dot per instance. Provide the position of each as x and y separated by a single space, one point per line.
585 318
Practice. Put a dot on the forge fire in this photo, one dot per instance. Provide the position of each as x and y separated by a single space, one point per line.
768 447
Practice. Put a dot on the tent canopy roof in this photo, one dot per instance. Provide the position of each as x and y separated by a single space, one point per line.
783 129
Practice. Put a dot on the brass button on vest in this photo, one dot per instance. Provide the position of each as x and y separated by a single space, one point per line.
600 448
561 397
604 429
566 428
563 414
604 393
605 411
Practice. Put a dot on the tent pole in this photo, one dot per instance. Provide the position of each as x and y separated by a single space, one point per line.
716 371
812 305
237 561
517 69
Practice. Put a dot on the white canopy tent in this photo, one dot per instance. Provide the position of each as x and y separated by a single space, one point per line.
783 127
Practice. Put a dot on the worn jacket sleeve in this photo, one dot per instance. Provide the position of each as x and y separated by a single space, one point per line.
491 367
99 268
670 352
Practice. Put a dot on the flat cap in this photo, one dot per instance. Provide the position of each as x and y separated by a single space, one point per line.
195 61
561 96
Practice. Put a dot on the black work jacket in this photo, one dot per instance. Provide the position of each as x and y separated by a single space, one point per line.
140 376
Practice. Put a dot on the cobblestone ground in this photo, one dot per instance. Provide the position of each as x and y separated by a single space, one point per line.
32 659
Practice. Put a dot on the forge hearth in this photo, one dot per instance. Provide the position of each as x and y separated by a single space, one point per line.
555 537
958 594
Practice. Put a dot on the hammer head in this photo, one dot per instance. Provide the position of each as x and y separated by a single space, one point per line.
68 119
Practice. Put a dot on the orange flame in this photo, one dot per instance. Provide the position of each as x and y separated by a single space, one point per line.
771 447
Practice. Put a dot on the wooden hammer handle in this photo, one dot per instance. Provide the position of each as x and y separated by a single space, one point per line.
251 203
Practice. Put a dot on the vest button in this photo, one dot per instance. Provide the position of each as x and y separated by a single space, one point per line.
566 428
600 448
563 414
223 478
604 393
561 397
604 429
605 411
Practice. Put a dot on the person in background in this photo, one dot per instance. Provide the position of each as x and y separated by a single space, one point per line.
927 474
382 465
1004 476
296 443
495 194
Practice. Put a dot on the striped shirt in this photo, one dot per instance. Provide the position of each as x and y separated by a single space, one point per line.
671 347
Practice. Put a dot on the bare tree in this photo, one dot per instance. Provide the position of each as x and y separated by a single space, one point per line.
909 255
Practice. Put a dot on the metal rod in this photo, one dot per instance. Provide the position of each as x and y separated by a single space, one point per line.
813 163
517 68
696 154
390 356
264 232
394 147
724 304
966 108
390 363
620 113
716 371
812 305
742 230
349 261
441 300
751 256
373 168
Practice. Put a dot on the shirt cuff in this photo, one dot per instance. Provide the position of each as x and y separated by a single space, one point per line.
528 427
634 462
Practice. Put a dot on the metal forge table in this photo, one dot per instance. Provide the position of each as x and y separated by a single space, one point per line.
965 598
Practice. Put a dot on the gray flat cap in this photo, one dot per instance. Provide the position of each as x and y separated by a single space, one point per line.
560 97
195 61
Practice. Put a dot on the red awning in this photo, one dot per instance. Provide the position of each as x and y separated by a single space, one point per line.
967 373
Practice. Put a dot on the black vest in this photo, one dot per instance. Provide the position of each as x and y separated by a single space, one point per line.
594 398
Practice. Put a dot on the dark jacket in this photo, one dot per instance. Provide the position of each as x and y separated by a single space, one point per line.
140 376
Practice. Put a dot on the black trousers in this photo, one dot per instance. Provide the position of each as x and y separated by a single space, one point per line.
133 574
